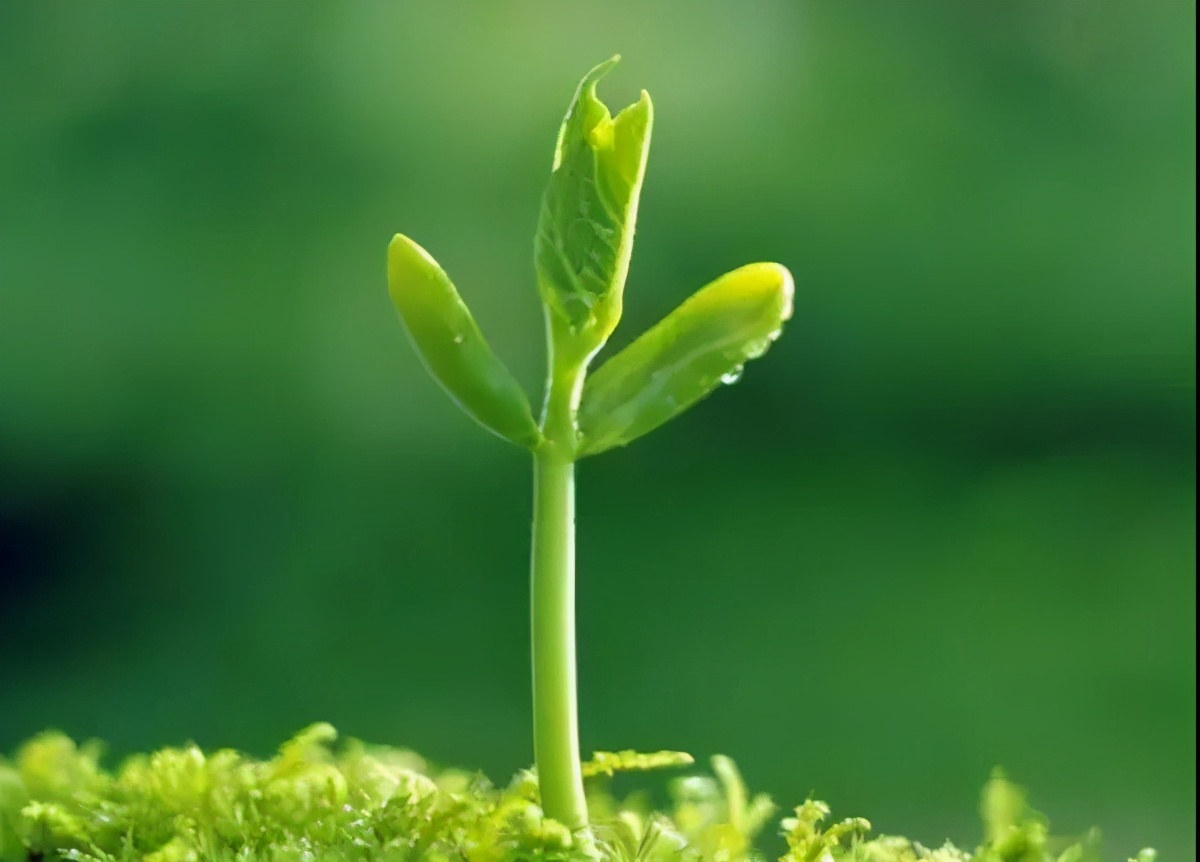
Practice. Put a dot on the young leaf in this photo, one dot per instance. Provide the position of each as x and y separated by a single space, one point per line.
452 347
585 230
697 347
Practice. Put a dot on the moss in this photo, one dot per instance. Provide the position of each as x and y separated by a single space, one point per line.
358 803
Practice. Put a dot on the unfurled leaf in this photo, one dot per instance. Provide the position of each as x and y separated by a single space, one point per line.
585 231
452 347
697 347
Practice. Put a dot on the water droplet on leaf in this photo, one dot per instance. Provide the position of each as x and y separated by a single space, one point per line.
733 376
757 348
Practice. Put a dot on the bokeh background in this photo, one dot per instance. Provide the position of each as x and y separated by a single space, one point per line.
947 523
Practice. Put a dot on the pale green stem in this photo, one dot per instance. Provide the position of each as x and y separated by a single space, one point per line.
555 711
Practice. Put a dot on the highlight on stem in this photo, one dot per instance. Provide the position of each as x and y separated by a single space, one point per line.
582 249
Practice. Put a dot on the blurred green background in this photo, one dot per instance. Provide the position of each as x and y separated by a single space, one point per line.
947 523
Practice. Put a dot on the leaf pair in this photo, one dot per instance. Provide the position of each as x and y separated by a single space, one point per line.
581 253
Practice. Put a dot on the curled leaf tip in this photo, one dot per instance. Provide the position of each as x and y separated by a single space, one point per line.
600 70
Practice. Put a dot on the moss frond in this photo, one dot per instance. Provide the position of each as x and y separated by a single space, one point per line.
317 802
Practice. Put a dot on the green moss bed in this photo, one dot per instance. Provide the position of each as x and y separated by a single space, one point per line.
317 802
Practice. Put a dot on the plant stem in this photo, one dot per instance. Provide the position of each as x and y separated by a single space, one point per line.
555 711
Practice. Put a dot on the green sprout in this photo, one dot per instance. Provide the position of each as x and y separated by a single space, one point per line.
312 802
581 253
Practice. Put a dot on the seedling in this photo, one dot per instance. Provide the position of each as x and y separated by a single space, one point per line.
367 804
581 254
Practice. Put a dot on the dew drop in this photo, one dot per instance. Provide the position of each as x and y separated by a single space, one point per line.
458 339
756 349
733 376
